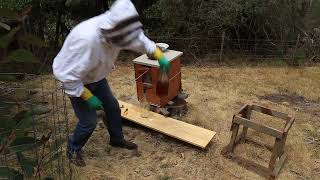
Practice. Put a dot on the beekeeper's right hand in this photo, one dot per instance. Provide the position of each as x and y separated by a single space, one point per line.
163 61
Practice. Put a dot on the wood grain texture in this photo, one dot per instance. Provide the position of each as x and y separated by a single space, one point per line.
177 129
258 127
153 73
270 112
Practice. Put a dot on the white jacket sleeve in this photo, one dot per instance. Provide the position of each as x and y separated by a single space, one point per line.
142 44
77 60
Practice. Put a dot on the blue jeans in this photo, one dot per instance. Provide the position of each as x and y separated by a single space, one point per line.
88 118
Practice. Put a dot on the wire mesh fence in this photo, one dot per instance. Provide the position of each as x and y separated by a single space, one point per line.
220 48
33 129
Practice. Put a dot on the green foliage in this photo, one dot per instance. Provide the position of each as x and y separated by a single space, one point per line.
6 122
272 26
27 164
312 19
23 144
22 56
8 38
8 77
38 110
33 40
280 62
18 44
7 13
299 57
15 137
9 173
244 18
15 5
25 122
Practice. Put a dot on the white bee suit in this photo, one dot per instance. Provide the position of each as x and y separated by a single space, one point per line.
90 50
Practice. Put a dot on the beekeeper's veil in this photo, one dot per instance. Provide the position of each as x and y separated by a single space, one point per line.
122 25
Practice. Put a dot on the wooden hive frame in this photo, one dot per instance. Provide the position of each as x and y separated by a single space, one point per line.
243 117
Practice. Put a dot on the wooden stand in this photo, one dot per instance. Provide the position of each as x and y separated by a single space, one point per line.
278 156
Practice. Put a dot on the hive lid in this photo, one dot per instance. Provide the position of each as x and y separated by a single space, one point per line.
144 60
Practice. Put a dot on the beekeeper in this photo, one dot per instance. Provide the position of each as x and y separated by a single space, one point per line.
86 58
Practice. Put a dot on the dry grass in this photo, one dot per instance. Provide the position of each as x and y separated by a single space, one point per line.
215 94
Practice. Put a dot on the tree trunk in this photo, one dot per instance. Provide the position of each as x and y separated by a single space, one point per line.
58 25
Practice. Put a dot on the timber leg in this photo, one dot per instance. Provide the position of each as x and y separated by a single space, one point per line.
245 129
244 134
281 155
234 129
283 143
275 153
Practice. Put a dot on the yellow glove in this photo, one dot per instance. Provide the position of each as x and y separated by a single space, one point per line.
93 101
163 61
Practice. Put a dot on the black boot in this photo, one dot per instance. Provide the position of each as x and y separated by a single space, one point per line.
76 158
124 144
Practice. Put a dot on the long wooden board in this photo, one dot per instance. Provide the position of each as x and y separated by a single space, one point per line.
177 129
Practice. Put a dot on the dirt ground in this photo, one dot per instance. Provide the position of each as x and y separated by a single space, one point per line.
215 93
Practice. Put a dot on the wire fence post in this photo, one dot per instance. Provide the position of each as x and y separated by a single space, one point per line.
295 49
222 45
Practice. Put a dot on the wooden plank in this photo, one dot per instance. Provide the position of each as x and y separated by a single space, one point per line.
288 125
177 129
144 60
258 127
271 112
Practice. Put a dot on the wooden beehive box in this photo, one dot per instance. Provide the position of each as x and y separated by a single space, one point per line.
147 74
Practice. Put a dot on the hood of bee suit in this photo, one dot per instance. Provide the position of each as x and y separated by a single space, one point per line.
121 16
